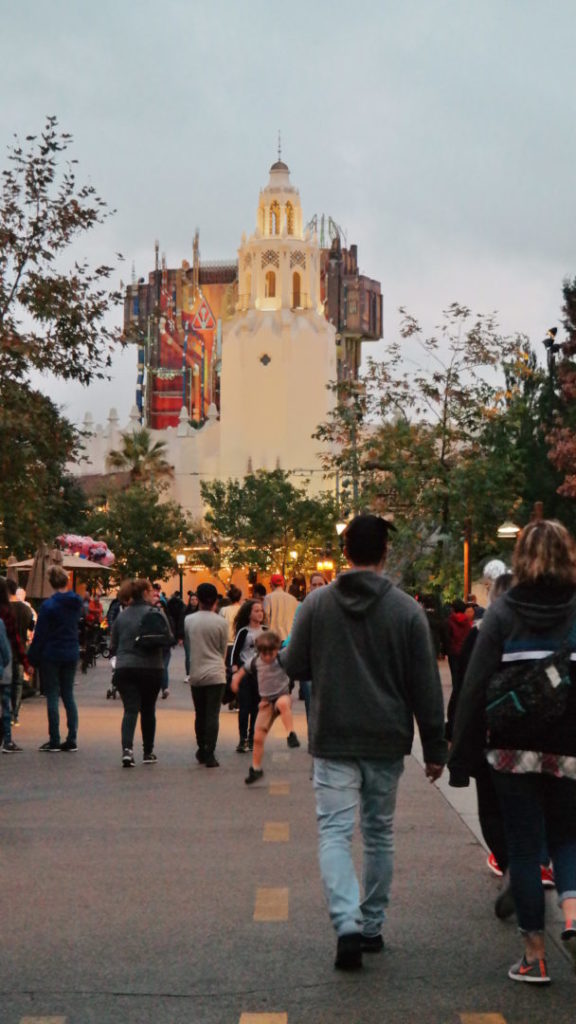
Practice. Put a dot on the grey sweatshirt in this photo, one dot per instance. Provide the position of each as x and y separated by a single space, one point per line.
367 648
207 638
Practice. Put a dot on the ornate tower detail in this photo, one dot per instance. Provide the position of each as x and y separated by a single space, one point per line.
279 266
278 351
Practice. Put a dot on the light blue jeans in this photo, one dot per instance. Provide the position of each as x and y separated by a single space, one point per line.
341 788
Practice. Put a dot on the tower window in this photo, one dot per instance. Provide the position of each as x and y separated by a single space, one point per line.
296 303
275 218
289 219
270 285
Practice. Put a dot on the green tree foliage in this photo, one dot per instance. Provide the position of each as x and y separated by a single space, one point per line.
562 436
38 498
258 521
144 461
451 434
142 531
51 318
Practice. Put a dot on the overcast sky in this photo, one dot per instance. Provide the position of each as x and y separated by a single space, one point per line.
440 135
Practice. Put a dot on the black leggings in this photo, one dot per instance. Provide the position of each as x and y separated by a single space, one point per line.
248 700
139 689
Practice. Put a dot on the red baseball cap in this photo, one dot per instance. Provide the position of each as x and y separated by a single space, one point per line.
277 580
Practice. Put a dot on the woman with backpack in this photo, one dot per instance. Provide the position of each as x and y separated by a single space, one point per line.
531 752
139 638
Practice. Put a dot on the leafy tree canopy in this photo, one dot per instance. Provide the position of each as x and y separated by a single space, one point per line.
143 460
38 498
51 317
257 522
143 532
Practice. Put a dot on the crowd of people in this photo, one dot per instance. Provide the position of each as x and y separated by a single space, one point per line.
364 655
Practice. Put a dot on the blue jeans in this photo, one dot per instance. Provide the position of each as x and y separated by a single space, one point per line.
58 681
341 787
536 808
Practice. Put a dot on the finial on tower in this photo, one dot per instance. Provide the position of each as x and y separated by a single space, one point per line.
279 145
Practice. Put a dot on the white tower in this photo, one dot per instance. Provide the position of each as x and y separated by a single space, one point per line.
278 351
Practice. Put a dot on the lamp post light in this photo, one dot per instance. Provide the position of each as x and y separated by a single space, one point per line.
180 561
508 530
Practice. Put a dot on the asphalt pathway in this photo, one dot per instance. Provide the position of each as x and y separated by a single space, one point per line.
175 894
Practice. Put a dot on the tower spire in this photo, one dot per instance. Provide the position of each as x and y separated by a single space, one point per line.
279 145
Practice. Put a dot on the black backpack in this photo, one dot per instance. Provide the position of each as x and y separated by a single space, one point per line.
155 633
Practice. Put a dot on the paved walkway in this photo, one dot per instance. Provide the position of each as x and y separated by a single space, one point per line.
174 894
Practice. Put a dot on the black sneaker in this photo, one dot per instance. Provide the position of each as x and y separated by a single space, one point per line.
242 747
149 758
10 748
292 740
253 775
250 744
200 756
372 943
50 748
69 745
128 758
211 762
349 952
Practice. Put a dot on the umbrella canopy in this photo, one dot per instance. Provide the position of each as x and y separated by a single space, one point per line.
11 572
71 562
38 585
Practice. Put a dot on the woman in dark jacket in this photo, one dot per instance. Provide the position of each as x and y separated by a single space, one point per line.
55 649
139 673
247 625
536 785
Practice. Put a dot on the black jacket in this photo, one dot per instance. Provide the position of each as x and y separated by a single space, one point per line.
527 623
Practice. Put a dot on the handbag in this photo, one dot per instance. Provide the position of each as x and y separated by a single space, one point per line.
523 699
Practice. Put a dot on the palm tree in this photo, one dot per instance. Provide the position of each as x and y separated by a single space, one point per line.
143 460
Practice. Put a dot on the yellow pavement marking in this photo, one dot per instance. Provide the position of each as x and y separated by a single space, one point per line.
279 789
280 758
276 832
482 1018
271 905
43 1020
264 1018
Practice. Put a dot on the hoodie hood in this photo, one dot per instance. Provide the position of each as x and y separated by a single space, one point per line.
359 589
540 606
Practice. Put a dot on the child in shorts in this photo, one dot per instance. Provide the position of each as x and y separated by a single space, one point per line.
275 700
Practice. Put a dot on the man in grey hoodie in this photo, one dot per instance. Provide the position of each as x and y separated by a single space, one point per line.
367 648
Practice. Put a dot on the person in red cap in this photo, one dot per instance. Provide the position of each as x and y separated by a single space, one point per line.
279 607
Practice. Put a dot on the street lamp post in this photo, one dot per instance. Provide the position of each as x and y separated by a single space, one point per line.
180 561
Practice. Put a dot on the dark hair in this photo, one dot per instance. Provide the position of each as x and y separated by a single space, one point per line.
140 586
244 612
458 605
501 585
12 587
57 577
4 592
366 540
207 594
234 594
259 590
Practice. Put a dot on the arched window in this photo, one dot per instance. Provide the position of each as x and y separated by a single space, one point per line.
275 218
270 287
296 291
289 219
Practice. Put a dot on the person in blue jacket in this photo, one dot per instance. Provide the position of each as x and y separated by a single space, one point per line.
55 651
